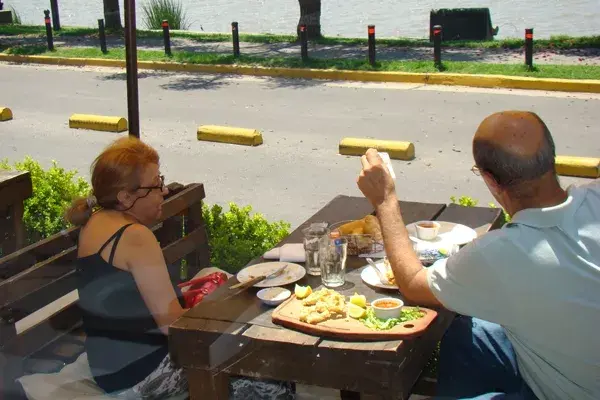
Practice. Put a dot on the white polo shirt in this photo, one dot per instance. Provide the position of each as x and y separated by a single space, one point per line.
538 277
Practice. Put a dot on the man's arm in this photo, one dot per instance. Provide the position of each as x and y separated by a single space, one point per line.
410 275
378 186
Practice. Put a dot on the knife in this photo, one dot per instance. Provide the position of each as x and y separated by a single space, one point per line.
258 279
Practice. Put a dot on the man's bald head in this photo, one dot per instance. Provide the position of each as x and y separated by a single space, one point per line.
514 146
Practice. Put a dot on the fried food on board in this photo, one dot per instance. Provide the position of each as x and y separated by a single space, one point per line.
322 305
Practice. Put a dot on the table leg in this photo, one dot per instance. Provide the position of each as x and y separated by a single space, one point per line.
349 395
205 385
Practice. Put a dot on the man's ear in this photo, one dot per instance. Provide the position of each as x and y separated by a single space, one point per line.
491 182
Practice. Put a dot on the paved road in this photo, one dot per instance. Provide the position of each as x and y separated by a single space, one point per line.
298 169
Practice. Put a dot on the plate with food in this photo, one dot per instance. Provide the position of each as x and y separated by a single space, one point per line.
363 235
292 273
383 279
328 313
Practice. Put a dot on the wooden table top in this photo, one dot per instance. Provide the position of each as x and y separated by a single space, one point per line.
231 332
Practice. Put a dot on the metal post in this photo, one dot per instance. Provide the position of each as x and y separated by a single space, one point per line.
166 37
236 39
529 48
48 30
55 16
437 45
372 54
1 5
102 32
133 108
303 43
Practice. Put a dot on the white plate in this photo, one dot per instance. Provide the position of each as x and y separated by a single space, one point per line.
370 277
292 273
449 233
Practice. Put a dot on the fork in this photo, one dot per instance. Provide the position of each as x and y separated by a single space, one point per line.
382 277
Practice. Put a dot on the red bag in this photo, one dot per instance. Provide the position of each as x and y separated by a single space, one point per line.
201 287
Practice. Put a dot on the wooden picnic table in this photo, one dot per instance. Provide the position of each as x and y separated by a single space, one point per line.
231 333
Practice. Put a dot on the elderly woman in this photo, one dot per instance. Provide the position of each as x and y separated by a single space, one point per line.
126 295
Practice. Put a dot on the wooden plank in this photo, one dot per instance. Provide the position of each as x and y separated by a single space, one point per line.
37 276
197 342
207 385
55 327
198 259
15 187
180 248
474 217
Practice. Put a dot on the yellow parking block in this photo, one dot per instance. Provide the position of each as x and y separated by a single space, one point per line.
586 167
98 123
396 149
227 134
5 114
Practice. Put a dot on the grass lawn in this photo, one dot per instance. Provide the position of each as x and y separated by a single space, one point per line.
540 71
558 42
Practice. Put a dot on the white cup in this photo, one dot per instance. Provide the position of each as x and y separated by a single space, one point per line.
427 230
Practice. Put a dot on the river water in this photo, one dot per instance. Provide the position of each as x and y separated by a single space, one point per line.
406 18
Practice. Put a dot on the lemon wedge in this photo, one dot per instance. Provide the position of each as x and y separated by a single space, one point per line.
359 300
355 311
302 291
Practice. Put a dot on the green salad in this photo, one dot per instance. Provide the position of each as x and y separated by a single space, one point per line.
407 314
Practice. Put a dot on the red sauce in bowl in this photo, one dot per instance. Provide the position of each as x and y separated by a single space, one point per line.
386 304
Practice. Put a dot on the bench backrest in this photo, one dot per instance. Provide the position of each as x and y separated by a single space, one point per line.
40 278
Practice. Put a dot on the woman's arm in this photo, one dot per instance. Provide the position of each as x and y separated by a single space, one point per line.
146 263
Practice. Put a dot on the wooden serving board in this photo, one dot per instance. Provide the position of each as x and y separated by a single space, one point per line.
288 313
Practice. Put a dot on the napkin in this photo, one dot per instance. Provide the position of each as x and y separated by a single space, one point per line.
292 252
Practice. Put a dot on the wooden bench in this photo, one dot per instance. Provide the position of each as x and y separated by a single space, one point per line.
15 188
40 322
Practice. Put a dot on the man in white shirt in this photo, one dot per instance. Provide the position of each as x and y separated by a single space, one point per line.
529 293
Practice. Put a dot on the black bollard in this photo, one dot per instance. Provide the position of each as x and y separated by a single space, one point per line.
437 45
102 36
55 16
235 34
48 30
303 43
166 37
1 5
372 54
529 48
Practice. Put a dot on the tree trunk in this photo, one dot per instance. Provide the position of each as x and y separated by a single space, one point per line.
310 14
112 15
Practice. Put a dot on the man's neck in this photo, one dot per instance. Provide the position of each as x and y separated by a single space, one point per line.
549 196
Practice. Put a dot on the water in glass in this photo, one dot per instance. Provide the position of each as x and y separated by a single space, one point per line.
312 238
333 261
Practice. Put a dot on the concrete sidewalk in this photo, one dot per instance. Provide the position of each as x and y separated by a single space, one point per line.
507 56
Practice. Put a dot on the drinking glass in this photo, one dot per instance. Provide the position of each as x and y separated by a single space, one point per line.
332 260
312 237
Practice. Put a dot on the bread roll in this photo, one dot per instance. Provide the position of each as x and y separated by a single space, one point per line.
353 228
372 227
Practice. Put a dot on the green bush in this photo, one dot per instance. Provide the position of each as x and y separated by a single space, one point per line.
53 191
155 11
236 237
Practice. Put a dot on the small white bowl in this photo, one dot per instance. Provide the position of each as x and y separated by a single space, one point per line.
427 230
273 296
387 312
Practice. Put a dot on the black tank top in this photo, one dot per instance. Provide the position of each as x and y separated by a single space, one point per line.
124 344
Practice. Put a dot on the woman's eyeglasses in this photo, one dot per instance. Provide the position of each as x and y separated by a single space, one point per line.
475 169
161 186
